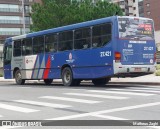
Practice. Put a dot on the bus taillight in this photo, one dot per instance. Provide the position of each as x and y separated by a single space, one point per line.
117 56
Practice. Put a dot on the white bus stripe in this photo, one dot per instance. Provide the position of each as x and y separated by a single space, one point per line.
71 99
17 108
106 111
42 104
121 92
97 96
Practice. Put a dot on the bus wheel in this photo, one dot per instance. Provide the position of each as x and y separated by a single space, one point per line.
18 78
101 81
67 77
48 81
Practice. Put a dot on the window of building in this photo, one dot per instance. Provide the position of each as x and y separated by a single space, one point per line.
10 31
38 45
26 9
148 12
101 35
10 19
147 4
65 41
51 43
27 20
9 8
82 38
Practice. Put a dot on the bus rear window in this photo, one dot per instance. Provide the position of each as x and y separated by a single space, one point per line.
136 28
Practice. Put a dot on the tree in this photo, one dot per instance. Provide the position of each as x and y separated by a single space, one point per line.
54 13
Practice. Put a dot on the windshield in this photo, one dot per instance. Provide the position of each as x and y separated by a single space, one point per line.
135 28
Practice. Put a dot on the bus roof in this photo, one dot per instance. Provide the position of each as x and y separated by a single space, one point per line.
68 27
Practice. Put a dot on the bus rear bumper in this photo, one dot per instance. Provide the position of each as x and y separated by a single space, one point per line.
133 70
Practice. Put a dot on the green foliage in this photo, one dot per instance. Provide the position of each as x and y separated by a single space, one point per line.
1 75
54 13
157 73
158 67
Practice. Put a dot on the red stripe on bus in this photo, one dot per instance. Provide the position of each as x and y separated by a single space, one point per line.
47 69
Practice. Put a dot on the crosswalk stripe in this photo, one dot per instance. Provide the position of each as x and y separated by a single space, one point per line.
150 91
113 110
97 96
71 99
43 104
17 108
121 92
109 117
10 127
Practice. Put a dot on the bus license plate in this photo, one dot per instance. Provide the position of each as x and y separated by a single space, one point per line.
137 69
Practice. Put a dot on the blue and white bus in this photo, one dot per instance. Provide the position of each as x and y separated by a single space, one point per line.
95 50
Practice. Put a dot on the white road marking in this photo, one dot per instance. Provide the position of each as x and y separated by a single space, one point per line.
10 127
116 92
71 99
24 87
109 117
106 111
42 104
17 108
150 91
154 127
97 96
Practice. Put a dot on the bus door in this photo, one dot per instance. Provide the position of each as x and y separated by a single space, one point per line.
7 61
136 41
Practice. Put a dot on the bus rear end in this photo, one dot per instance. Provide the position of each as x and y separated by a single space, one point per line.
135 49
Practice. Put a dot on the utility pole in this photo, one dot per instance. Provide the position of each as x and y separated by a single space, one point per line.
23 18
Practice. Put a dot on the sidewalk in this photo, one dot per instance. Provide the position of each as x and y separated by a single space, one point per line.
143 80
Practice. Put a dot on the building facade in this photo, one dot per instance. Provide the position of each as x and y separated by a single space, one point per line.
13 20
150 9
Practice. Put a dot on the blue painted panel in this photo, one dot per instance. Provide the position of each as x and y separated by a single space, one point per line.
7 72
141 52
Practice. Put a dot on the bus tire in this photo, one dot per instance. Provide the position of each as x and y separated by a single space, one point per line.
18 78
48 81
67 77
100 81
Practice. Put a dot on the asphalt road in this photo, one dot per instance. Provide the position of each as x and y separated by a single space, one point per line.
85 102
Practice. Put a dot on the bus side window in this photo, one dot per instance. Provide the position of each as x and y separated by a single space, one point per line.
17 48
101 35
28 44
65 41
38 45
51 43
23 48
82 38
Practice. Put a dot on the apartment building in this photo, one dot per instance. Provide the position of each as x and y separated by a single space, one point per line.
12 20
151 10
